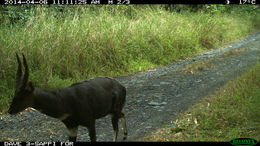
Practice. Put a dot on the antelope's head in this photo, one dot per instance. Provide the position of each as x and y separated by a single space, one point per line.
23 96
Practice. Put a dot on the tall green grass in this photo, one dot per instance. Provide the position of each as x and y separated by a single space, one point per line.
109 41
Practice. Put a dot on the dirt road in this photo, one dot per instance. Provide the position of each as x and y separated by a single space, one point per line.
154 97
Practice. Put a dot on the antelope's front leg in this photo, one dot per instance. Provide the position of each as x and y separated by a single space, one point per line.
72 133
72 129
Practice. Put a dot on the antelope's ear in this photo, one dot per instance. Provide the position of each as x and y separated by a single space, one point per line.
29 87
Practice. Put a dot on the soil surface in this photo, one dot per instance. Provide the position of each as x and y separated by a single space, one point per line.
154 97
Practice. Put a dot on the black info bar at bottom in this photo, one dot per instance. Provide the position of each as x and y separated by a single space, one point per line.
106 143
37 143
125 2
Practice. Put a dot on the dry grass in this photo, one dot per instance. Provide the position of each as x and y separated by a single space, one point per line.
233 52
197 66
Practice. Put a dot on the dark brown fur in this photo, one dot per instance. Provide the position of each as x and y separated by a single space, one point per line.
79 104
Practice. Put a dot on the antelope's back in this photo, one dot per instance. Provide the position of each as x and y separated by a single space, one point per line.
107 83
98 95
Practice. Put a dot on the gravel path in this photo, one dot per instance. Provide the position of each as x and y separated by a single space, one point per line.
154 97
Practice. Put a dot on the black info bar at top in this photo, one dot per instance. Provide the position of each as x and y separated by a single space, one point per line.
125 2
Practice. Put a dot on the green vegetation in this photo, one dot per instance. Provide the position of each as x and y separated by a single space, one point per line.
231 112
64 44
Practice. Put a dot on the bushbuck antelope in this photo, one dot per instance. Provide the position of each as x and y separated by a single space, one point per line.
79 104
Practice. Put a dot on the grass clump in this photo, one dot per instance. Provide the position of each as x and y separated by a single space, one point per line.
86 41
197 66
230 112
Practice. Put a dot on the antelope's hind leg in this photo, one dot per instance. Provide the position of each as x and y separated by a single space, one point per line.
123 120
115 119
115 126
